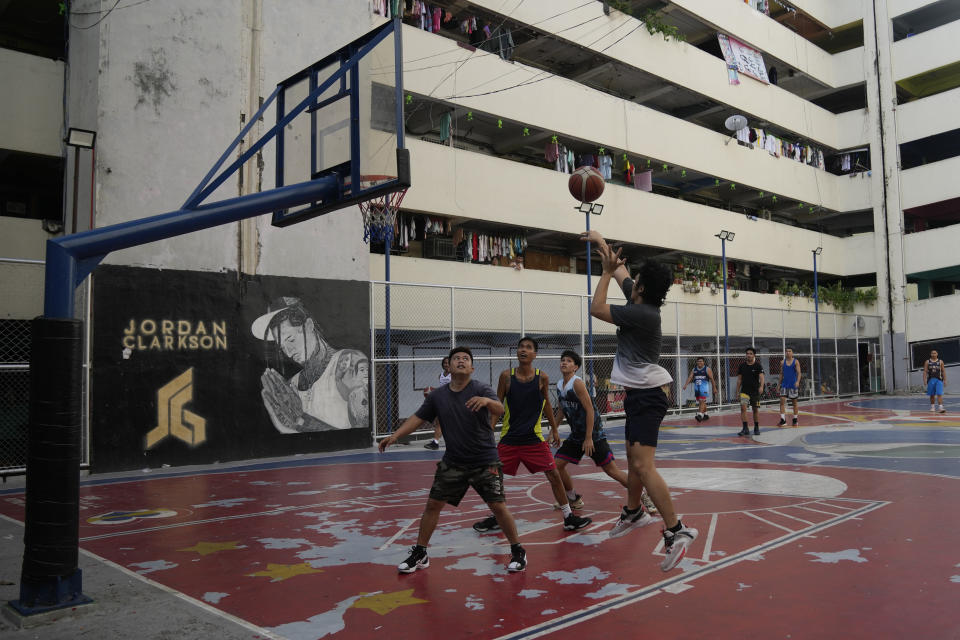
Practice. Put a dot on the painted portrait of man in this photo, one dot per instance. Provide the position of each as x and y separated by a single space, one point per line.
329 388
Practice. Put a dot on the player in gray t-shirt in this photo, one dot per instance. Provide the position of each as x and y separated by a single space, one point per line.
465 407
635 368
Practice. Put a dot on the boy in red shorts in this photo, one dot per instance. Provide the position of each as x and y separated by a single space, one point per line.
525 394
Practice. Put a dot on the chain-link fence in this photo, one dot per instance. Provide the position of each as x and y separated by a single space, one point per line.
15 341
839 354
14 392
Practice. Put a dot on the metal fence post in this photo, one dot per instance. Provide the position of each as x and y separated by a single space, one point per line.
813 362
453 322
836 352
522 332
720 368
856 342
676 379
373 360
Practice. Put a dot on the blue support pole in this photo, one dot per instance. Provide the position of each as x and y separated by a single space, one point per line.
71 258
726 325
816 311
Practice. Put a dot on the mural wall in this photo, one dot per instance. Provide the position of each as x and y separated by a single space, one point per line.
196 367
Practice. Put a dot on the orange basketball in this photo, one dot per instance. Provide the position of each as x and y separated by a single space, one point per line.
586 184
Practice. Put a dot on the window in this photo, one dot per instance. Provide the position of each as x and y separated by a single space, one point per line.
31 186
947 348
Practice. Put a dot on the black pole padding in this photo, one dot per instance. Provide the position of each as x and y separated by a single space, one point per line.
50 577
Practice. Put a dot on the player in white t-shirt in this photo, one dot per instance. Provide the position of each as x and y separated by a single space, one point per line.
443 379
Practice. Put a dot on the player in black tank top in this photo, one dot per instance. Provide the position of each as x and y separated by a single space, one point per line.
524 391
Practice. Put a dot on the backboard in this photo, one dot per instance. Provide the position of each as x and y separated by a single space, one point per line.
342 120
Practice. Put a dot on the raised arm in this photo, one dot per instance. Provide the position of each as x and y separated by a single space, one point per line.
594 237
611 263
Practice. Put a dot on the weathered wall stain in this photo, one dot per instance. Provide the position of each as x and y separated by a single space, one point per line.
153 80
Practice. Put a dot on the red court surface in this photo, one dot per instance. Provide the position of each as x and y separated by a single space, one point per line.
789 547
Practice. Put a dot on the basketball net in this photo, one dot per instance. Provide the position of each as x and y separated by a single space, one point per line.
380 216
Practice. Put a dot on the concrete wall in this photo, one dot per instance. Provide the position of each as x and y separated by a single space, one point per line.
556 303
617 124
928 116
925 51
683 64
31 112
520 194
173 91
932 249
926 318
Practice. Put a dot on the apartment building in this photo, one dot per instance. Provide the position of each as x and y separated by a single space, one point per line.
846 152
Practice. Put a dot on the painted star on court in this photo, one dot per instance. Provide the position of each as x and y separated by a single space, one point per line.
280 572
384 603
206 548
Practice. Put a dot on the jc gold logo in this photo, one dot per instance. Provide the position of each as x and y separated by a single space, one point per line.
173 419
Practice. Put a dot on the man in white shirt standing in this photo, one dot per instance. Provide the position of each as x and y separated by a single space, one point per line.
635 368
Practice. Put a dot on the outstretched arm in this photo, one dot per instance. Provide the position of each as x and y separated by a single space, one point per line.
409 425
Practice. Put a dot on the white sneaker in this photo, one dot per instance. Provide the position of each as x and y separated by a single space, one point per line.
630 521
675 545
942 410
933 409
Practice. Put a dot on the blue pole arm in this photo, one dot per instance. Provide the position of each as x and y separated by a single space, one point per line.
71 258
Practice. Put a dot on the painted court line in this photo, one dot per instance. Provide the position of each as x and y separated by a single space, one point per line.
829 513
396 535
593 611
708 544
783 515
772 524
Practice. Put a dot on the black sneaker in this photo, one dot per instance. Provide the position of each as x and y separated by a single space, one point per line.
433 445
573 522
706 416
417 560
743 432
782 422
489 524
795 422
518 559
756 431
699 419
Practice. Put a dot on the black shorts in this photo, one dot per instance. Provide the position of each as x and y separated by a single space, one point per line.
572 451
750 399
450 482
645 409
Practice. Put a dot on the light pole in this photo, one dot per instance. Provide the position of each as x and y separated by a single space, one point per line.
78 139
816 306
725 236
587 208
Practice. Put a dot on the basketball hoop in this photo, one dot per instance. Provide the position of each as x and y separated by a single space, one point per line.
379 213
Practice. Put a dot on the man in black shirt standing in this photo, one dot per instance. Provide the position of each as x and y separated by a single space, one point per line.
749 384
464 407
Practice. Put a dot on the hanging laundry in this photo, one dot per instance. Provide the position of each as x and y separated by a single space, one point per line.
643 181
605 163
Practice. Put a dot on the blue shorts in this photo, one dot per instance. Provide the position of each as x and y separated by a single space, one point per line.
701 390
934 387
